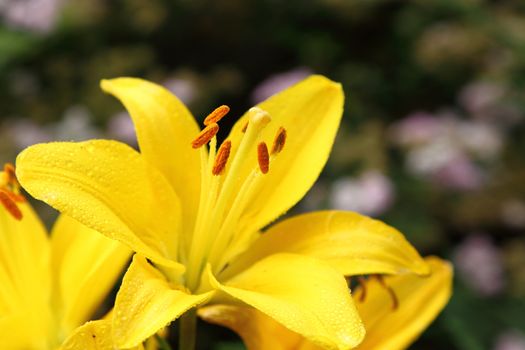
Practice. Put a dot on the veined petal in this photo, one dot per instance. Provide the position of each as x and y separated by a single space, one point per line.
25 280
302 293
146 302
352 243
86 266
310 112
420 301
108 187
256 329
165 129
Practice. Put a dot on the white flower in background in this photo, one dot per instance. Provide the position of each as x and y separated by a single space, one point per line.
120 127
478 97
479 263
24 132
445 148
184 89
510 340
417 128
34 15
371 193
278 82
75 125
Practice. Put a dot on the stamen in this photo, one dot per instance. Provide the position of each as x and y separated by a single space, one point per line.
279 141
362 283
263 157
205 135
395 301
222 158
216 115
10 205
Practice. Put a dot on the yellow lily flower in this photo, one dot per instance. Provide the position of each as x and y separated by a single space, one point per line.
49 285
419 300
194 216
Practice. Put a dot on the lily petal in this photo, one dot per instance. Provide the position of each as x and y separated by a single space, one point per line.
25 280
256 329
146 302
310 111
108 187
87 265
302 293
165 129
420 301
94 335
352 243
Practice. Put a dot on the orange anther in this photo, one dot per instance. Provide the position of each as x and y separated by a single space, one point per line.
279 141
205 135
10 205
10 171
263 157
216 115
222 158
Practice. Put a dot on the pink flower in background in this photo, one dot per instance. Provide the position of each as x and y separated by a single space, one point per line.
24 132
35 15
184 89
444 148
459 173
510 340
479 263
478 97
120 127
278 82
416 128
371 193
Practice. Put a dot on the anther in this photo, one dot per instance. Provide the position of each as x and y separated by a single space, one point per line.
395 301
222 158
10 205
279 141
263 157
216 115
205 135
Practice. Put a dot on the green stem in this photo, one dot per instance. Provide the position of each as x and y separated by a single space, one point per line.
188 330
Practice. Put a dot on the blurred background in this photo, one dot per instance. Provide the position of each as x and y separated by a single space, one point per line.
432 141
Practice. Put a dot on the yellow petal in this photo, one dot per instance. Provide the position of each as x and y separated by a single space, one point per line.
302 293
94 335
146 302
108 187
420 301
25 280
352 243
310 112
86 265
257 330
165 129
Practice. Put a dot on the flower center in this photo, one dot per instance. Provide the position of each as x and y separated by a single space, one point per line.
222 200
362 283
10 191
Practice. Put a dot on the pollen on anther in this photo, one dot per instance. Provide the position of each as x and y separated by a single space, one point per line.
216 115
222 158
10 205
279 141
263 157
205 135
